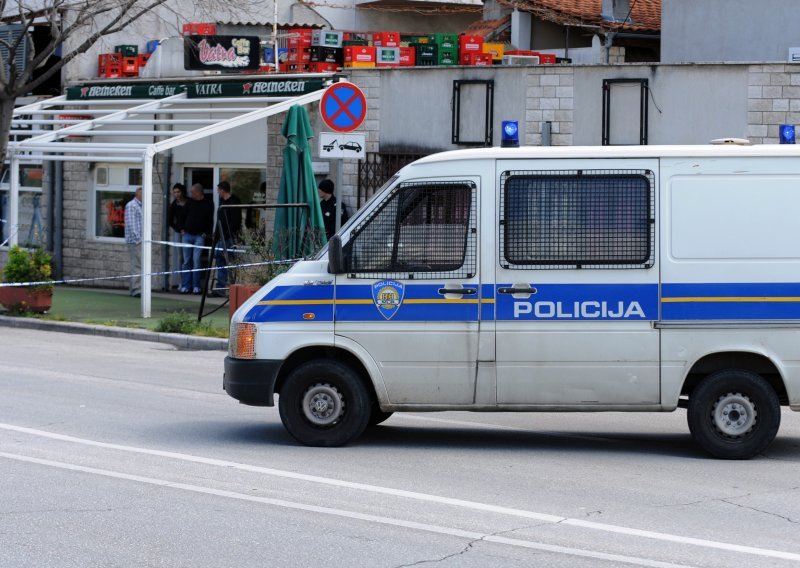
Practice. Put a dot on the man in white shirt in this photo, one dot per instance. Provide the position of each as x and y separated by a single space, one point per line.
133 239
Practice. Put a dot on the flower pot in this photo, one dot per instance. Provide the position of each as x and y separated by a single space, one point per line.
238 294
26 299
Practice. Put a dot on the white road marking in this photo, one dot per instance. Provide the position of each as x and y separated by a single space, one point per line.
448 531
472 505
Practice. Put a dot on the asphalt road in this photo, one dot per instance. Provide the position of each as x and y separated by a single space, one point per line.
124 453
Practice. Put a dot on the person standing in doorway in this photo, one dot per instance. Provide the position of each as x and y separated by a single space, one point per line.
229 222
327 201
133 240
176 216
196 227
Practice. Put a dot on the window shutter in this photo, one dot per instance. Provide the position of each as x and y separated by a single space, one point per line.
10 33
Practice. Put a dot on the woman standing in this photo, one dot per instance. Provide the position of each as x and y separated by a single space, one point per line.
176 217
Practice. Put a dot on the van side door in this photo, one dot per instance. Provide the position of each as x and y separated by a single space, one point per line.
577 283
410 294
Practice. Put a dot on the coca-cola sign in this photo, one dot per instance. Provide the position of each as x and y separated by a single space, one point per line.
223 53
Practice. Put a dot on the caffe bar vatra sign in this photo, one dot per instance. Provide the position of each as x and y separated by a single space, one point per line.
221 53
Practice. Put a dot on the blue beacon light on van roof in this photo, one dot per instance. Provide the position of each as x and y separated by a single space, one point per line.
510 137
787 134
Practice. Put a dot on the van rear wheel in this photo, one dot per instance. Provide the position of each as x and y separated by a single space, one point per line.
324 403
734 414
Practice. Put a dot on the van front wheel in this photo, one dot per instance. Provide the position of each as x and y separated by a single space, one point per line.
324 403
734 414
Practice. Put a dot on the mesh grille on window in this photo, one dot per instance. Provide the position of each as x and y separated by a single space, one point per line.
577 219
421 231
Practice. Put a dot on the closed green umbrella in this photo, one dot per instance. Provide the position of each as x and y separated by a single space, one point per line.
298 232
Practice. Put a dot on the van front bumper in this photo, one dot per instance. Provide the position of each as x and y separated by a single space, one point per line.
251 381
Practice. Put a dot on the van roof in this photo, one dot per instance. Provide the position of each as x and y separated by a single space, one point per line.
695 151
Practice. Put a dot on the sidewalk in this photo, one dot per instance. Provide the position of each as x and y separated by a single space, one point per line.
113 313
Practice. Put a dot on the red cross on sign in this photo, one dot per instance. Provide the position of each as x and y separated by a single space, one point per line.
343 107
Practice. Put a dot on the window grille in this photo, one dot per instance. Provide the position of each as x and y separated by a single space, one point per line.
577 219
421 231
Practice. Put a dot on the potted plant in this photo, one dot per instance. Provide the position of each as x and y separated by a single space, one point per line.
25 266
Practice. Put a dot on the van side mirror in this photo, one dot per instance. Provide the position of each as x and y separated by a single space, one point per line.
335 255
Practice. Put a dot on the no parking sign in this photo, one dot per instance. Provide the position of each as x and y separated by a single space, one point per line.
343 107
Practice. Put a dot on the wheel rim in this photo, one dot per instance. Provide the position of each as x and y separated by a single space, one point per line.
734 415
323 405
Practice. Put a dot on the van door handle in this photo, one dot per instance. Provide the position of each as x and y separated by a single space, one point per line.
517 290
460 291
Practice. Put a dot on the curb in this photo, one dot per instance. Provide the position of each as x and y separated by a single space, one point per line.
176 339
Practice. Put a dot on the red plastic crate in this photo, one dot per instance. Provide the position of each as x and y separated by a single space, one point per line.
130 65
299 38
479 59
105 59
299 55
407 56
470 44
143 58
323 67
359 54
195 28
386 39
521 52
546 58
298 68
110 72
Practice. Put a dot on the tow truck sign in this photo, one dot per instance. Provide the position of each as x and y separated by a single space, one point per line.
342 145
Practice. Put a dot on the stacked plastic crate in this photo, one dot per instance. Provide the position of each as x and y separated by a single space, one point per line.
387 49
327 55
446 48
299 43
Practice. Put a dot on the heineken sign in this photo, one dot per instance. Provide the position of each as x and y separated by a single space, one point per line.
278 87
253 88
89 92
221 53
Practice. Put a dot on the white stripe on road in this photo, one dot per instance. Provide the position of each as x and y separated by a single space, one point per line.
448 531
472 505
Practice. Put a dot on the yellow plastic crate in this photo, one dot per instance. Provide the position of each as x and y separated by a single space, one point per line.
496 50
359 65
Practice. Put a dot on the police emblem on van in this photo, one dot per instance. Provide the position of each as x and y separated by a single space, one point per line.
388 296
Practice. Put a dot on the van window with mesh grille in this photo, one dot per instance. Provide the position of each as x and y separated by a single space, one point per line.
424 230
587 219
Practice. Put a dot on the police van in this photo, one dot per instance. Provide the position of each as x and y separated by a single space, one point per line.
545 279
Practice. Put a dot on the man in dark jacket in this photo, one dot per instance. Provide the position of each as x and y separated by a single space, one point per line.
229 223
197 227
327 201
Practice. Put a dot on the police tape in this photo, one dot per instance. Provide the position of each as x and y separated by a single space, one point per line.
151 274
187 245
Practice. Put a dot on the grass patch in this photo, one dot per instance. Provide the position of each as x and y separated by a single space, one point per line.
187 324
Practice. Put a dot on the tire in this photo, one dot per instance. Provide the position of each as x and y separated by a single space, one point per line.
734 414
324 403
378 416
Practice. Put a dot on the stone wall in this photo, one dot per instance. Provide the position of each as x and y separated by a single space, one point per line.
773 98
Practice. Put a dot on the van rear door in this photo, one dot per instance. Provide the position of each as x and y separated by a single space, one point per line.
577 283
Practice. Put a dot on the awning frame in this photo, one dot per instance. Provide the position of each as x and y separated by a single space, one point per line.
51 145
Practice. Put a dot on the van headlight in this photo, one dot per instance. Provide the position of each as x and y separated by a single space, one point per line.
242 340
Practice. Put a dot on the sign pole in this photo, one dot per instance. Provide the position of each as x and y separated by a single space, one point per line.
338 213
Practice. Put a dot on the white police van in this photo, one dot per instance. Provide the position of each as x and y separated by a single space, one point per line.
545 279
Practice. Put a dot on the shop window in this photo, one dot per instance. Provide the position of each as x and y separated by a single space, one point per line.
30 231
114 188
421 231
577 219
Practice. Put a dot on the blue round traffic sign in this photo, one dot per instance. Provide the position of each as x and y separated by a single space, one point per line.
343 107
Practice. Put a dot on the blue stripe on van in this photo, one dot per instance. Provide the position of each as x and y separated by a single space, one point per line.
738 301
